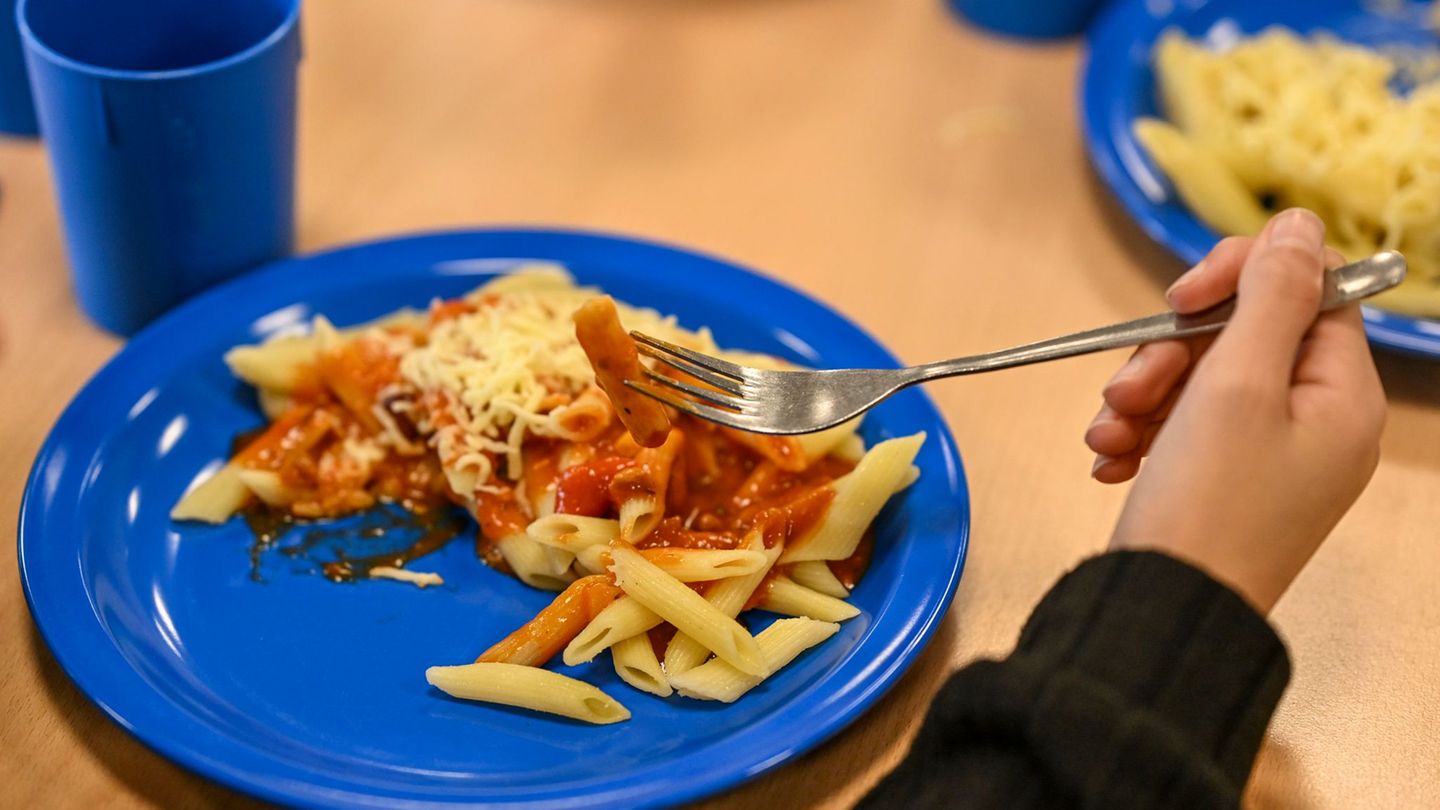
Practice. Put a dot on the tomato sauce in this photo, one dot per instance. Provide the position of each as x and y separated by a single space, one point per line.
585 488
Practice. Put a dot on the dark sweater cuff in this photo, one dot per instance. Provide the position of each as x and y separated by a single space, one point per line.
1163 637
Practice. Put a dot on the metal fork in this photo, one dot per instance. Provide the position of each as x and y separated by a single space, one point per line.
790 402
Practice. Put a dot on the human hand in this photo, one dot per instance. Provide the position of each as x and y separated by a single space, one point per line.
1258 440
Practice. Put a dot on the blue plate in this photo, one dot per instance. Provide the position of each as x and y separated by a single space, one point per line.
1119 86
311 693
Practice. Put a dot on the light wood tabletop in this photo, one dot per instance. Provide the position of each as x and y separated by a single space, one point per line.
925 180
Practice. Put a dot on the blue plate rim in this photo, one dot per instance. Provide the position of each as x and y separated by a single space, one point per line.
30 518
1118 27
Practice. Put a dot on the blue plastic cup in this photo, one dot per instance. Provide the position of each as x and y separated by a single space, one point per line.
17 110
171 131
1031 19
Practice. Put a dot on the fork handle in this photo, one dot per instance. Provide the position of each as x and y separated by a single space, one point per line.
1343 285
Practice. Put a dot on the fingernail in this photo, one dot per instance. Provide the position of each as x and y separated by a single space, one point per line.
1186 279
1129 370
1100 461
1300 227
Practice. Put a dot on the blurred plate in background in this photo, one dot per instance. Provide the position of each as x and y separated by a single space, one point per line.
1118 86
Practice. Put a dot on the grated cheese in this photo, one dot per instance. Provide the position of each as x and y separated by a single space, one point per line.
419 579
489 379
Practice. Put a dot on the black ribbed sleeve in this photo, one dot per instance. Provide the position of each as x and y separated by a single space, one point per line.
1139 681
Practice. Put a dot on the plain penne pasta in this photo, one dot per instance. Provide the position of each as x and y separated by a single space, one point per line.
215 499
532 563
789 598
814 446
528 688
267 486
635 663
780 643
1202 179
639 514
275 365
729 597
859 496
686 609
273 403
593 559
912 474
703 564
684 564
817 576
622 619
851 449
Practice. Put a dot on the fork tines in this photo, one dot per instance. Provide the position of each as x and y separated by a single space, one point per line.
722 389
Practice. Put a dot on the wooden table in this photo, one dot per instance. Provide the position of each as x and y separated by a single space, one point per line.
925 180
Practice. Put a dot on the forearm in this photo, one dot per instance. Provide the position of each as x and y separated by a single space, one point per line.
1138 681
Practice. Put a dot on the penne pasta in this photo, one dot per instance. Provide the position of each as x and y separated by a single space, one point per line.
729 596
1201 178
640 489
528 688
817 576
684 564
814 446
215 499
703 564
687 610
911 475
612 354
585 417
789 598
851 449
275 365
533 563
573 532
859 495
780 643
635 663
539 639
593 559
267 486
273 403
639 515
621 619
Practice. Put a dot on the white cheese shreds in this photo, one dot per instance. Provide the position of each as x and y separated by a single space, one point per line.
363 451
489 379
419 579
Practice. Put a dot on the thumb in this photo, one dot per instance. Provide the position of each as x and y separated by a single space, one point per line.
1278 298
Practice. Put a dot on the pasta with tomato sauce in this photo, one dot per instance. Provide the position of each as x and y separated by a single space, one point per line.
651 524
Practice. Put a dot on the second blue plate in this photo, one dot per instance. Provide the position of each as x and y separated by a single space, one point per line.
1119 86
